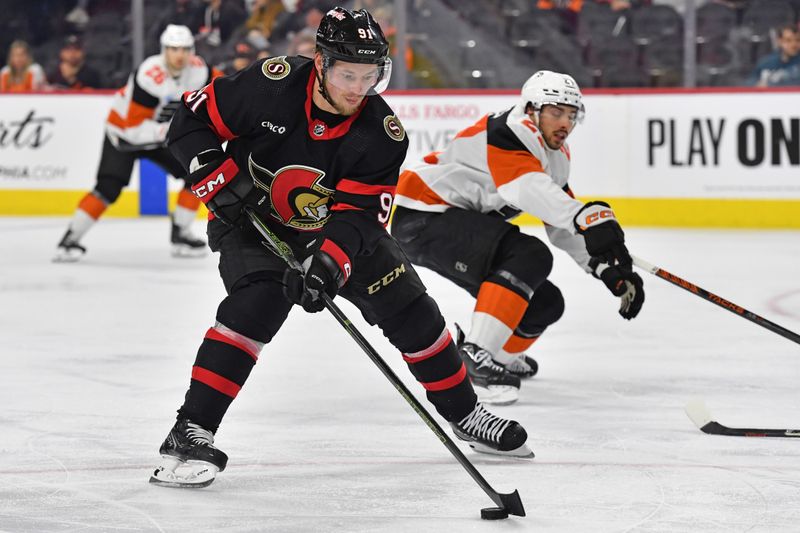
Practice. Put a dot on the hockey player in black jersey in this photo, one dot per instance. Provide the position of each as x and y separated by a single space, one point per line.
316 152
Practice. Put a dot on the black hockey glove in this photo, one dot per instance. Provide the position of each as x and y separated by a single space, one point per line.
604 237
219 184
165 115
623 283
328 270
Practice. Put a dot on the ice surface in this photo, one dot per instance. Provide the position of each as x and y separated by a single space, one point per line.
95 358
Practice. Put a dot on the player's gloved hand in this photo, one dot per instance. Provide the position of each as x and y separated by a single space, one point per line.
219 184
326 271
165 115
624 283
604 237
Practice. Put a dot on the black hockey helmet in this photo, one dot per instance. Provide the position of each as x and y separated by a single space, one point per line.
352 36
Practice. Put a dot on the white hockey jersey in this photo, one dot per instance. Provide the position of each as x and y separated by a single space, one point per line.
500 164
132 123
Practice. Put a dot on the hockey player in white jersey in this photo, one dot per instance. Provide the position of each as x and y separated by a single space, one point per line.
136 128
452 217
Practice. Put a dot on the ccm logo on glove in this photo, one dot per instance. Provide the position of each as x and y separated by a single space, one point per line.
217 179
596 214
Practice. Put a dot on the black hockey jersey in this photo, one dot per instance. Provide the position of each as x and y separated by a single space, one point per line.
320 170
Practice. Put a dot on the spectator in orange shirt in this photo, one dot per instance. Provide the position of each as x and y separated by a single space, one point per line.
21 74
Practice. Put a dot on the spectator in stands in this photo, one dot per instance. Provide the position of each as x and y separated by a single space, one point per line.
303 43
243 54
265 14
419 66
782 67
308 16
72 72
21 74
219 19
622 5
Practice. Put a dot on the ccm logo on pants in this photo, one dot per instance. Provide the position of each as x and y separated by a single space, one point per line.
387 279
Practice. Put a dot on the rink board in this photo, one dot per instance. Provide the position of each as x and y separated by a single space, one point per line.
725 158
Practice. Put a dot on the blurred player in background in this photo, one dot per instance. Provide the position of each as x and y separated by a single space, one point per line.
314 148
136 128
452 217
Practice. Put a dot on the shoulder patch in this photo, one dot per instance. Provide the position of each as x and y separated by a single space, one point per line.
276 68
394 129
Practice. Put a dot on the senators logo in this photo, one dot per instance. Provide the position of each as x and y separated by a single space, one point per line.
393 128
298 200
276 68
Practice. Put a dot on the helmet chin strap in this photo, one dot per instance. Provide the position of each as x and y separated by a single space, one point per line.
321 80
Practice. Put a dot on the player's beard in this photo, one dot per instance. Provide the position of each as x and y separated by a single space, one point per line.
344 107
556 142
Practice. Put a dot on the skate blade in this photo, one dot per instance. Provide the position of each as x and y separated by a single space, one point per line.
517 366
497 394
173 472
523 452
182 250
66 256
521 374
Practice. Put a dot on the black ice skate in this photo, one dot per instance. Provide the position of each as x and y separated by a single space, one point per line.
488 433
186 244
491 382
68 250
188 457
522 365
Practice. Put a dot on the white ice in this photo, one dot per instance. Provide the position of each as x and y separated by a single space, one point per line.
95 359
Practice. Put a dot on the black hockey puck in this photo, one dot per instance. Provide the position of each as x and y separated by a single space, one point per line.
494 513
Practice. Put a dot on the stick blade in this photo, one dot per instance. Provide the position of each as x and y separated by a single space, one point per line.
513 503
697 411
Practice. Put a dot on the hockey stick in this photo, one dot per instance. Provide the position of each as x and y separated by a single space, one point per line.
702 418
511 503
713 298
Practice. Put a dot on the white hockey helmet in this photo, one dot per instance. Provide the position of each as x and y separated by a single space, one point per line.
548 87
177 36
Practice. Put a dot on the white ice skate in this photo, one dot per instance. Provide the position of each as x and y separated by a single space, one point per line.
185 243
68 250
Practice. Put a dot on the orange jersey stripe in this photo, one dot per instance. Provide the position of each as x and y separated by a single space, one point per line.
188 200
507 165
517 344
474 129
410 185
92 206
432 158
504 304
137 113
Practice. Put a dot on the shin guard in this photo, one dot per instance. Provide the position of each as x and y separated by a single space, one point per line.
419 332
